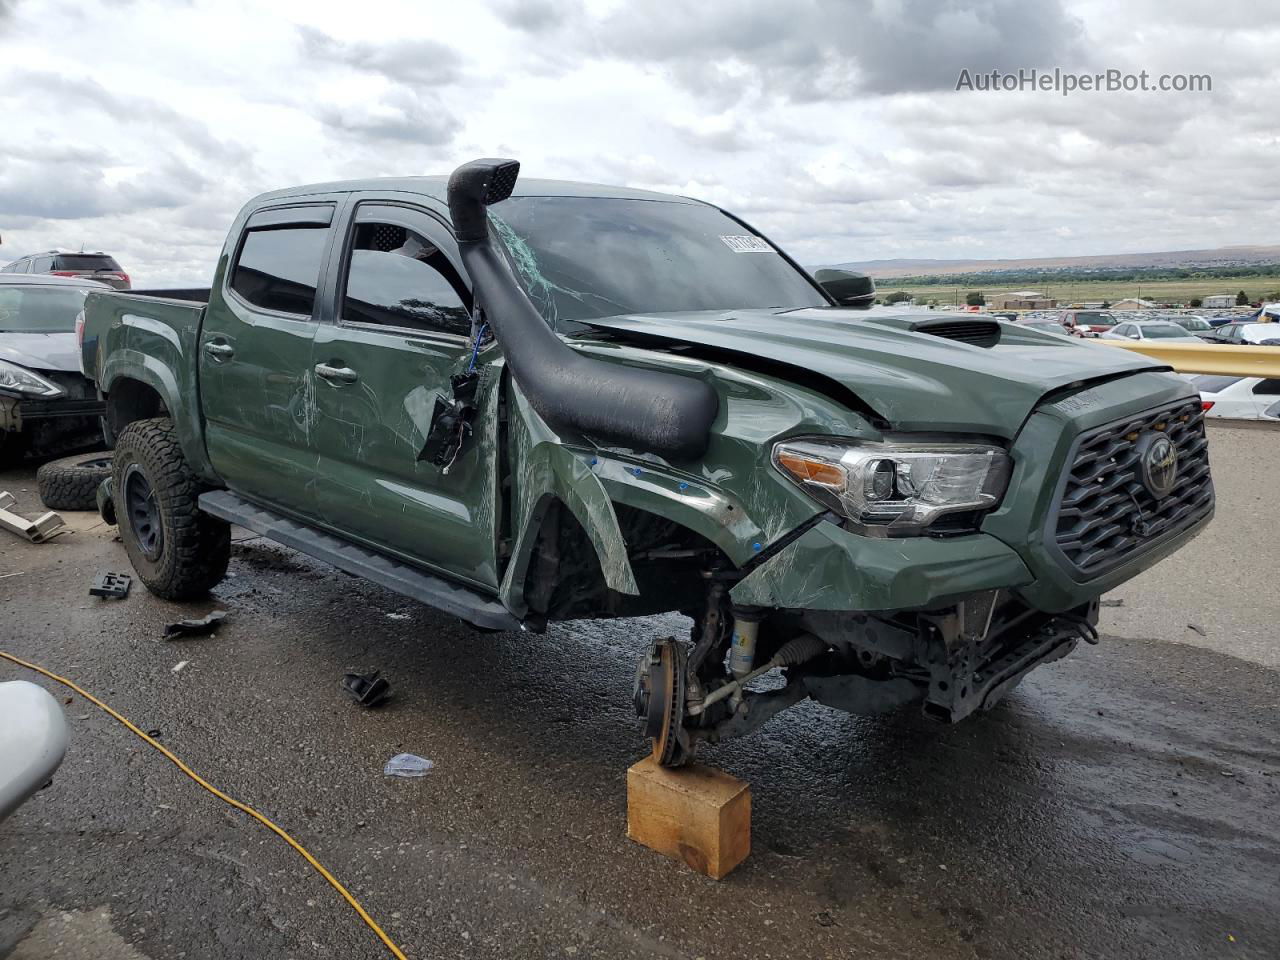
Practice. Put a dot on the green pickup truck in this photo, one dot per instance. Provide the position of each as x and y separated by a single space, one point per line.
523 401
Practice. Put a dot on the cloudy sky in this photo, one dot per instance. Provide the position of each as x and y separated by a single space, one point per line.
141 127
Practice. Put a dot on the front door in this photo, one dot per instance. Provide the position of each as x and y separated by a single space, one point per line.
402 329
256 381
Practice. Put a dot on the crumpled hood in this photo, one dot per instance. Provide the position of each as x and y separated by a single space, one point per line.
914 380
41 351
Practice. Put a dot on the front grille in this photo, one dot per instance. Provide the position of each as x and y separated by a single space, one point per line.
1106 514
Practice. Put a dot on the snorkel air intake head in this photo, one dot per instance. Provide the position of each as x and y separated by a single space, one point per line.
646 410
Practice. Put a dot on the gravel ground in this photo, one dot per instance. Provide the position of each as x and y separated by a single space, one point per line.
1123 802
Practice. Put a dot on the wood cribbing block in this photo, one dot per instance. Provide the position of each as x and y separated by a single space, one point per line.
696 814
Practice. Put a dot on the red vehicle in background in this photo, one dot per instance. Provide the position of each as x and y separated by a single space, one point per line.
1087 323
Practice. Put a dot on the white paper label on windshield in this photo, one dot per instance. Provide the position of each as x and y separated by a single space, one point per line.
747 245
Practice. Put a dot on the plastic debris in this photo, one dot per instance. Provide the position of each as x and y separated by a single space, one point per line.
369 689
180 666
1197 629
114 585
40 530
407 765
1111 603
194 628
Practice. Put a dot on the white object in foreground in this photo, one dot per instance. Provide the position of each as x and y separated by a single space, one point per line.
33 740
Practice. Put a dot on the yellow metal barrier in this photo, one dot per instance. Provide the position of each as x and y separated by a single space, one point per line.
1225 359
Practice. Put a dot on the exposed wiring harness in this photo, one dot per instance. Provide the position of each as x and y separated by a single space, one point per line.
243 807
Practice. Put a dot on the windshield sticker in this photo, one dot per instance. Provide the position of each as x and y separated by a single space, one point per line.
747 245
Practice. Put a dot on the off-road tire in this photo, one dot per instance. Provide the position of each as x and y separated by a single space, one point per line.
72 482
195 547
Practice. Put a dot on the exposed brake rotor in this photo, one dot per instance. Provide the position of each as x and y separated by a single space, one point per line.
659 700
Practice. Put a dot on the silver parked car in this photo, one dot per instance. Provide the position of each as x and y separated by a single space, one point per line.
1165 331
47 406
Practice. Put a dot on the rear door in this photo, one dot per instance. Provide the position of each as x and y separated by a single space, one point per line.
1266 394
256 382
402 328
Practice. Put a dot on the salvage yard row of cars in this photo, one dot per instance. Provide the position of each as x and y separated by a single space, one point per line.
448 386
1223 397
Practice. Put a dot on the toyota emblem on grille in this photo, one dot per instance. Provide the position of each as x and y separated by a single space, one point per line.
1158 462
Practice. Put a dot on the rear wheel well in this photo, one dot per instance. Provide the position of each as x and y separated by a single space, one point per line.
566 582
131 400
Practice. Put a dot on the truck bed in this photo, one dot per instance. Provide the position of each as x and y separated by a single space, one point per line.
140 345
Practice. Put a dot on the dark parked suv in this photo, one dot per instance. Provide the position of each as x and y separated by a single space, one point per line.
91 266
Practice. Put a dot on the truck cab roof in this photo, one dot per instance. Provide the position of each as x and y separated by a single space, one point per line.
435 187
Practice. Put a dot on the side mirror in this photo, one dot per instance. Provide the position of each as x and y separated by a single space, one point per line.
1133 336
847 288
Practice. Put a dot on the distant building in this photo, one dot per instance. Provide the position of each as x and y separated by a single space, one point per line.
1133 303
1218 300
1020 300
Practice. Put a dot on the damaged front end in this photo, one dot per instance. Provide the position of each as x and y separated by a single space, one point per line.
948 663
64 420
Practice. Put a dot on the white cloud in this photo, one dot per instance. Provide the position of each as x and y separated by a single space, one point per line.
141 127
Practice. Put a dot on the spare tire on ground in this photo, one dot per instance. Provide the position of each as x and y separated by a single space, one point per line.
72 482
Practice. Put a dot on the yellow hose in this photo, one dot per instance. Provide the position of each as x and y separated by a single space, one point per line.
306 855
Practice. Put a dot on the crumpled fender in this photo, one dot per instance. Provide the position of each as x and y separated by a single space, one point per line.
544 470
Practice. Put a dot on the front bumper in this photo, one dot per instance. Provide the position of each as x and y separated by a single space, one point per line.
829 568
48 426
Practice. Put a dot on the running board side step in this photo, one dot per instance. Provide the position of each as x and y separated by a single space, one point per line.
361 562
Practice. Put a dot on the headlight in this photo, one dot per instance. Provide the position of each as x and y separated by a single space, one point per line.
22 380
897 489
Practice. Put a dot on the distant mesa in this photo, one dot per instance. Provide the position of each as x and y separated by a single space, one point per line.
1236 256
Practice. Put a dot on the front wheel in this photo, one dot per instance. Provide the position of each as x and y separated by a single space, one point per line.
178 552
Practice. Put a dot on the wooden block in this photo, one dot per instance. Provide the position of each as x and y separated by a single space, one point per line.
696 814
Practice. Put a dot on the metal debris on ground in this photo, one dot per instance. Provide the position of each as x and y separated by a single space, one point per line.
369 689
407 765
194 628
40 530
1197 628
111 585
1111 603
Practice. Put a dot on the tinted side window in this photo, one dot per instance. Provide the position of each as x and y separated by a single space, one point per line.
279 267
397 277
1267 388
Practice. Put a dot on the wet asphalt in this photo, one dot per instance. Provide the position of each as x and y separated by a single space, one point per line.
1123 802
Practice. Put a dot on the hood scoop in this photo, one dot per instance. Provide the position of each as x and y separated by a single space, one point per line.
980 333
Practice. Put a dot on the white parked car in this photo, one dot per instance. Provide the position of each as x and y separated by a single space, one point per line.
1163 330
1238 398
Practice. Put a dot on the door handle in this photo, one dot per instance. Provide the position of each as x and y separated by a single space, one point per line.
219 352
336 375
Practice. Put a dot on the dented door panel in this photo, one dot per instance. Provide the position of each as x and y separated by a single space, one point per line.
368 480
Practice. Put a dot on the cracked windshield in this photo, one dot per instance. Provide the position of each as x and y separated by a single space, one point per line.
581 258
